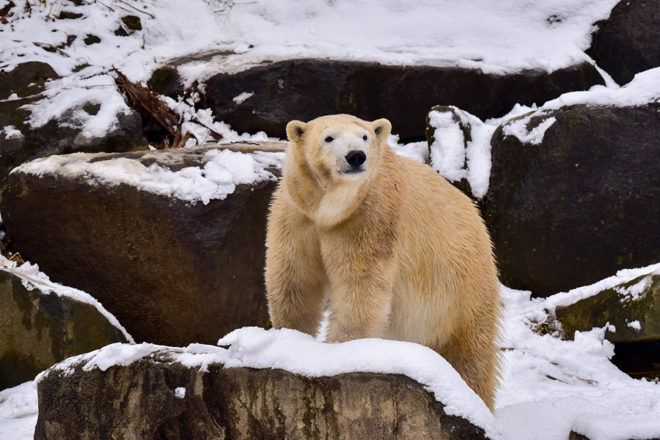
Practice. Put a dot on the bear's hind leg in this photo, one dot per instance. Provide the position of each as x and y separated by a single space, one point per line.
475 355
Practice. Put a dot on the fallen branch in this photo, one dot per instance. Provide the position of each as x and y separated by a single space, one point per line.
148 104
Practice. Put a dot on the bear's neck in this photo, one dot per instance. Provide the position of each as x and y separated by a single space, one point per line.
325 203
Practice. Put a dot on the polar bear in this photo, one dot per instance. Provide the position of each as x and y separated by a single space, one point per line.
386 244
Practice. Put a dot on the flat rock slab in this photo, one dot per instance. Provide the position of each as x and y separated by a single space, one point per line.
157 396
172 270
38 328
268 96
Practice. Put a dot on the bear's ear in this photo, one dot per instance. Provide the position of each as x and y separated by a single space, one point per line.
382 128
295 129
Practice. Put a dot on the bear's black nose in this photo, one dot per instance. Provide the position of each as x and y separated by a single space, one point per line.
355 158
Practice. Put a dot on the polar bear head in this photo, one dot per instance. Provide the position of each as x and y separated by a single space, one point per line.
330 161
339 147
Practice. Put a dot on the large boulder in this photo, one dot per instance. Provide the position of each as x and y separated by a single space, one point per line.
20 141
159 392
573 195
268 96
42 323
171 242
628 42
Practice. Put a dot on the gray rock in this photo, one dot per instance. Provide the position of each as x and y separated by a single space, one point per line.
172 271
628 42
580 205
306 88
140 400
39 328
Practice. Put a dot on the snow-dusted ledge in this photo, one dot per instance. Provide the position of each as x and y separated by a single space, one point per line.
301 354
214 176
32 278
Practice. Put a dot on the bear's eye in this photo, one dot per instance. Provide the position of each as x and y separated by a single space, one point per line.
329 139
364 138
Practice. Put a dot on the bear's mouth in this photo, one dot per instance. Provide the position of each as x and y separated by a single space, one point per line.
356 170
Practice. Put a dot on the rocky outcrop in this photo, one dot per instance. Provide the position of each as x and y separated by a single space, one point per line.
581 203
158 397
19 141
630 313
268 96
172 270
38 328
633 308
628 42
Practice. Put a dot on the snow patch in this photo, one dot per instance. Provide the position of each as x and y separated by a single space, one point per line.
635 325
216 179
18 411
240 99
12 132
180 392
519 128
461 147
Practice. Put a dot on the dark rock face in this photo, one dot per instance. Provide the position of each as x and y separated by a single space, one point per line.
306 88
140 401
57 136
582 204
628 42
172 272
38 329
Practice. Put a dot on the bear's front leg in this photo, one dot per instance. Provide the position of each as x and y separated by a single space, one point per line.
360 298
295 280
358 310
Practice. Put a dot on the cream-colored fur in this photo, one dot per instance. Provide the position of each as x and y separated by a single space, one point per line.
394 251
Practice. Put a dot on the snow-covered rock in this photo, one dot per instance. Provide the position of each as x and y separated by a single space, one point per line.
42 323
307 88
262 384
171 242
574 188
629 310
27 89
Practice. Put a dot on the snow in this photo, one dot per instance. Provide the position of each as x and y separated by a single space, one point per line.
241 98
518 128
180 392
32 278
18 411
457 156
222 170
12 132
